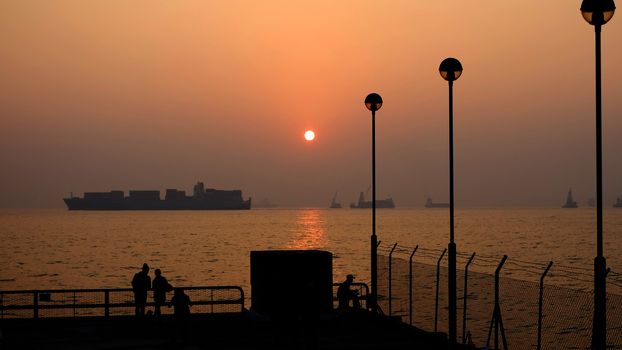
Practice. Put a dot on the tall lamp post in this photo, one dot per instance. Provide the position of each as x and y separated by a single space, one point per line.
598 13
450 70
373 102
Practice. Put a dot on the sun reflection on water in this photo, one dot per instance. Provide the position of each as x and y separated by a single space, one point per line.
309 231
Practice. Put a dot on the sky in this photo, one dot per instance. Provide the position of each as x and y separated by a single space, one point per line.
154 94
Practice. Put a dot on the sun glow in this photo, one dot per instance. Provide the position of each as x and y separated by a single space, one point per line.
309 135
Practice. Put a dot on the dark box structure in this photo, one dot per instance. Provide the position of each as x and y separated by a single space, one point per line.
291 282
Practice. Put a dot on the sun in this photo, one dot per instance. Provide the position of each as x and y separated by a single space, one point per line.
309 135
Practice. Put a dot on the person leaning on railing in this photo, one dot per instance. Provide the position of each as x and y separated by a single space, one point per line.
181 312
141 283
160 288
345 294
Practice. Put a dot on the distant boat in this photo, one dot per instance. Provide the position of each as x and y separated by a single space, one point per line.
334 204
430 204
380 203
570 203
618 203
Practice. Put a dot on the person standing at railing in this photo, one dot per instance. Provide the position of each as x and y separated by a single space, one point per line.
181 312
141 283
345 294
160 287
181 303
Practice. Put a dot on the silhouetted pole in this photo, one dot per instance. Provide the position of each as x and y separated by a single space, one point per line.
373 102
598 13
450 70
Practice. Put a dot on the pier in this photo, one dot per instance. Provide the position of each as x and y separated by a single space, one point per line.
103 319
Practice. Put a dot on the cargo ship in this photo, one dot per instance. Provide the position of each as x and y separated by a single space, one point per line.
201 199
380 203
618 203
430 204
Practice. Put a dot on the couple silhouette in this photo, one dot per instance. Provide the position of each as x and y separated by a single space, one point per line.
141 284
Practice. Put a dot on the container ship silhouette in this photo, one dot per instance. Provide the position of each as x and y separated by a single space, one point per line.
380 203
202 199
430 204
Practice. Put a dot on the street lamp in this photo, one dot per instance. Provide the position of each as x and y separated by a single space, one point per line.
450 70
598 13
373 102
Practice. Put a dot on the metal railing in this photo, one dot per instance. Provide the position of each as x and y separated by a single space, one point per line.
109 302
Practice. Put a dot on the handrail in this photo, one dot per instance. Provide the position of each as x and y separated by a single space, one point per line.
86 290
41 297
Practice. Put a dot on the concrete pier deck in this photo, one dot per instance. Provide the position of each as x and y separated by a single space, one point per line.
350 330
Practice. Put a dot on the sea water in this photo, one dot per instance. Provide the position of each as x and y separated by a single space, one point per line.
55 248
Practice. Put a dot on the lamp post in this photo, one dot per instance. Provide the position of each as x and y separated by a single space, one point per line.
598 13
373 102
450 70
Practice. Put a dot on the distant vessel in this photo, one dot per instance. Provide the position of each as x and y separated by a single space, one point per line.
334 204
380 203
618 203
570 203
202 199
430 204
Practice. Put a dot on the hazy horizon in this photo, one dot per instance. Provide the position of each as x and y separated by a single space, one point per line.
100 96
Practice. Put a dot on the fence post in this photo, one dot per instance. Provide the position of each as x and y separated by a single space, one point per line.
540 304
438 276
106 303
496 320
464 307
74 304
410 286
390 277
242 296
35 304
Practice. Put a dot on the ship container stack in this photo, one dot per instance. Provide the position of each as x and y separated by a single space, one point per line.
174 194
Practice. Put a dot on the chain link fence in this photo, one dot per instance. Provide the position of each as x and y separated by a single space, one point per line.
533 313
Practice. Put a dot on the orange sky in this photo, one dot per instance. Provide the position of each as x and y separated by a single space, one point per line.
101 95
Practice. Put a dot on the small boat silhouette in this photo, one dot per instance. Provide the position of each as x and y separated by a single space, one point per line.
570 202
334 204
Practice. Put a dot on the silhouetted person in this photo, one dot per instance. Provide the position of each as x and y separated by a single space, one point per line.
160 287
141 283
181 312
181 303
345 294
